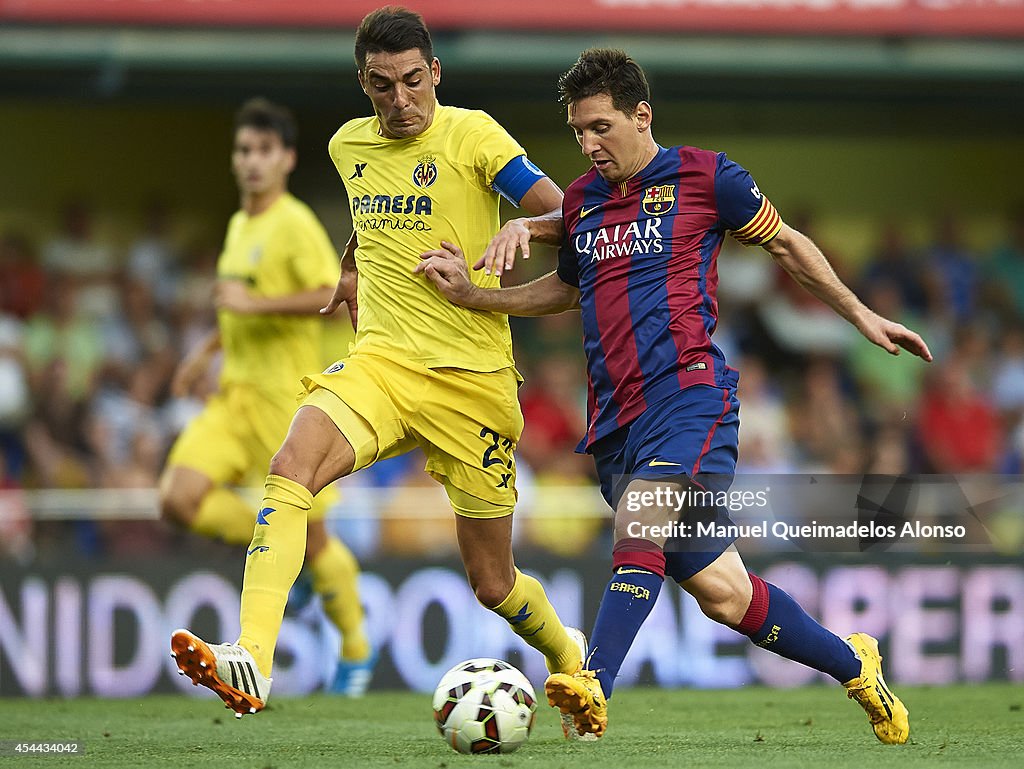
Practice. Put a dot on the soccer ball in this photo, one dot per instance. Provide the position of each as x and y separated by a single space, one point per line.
484 706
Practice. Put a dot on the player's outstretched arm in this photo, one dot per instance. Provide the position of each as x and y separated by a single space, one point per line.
544 202
802 259
447 268
346 290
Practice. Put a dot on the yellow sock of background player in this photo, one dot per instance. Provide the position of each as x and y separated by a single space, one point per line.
335 579
226 515
532 617
273 561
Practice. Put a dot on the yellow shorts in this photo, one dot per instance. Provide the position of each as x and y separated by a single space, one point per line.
233 438
467 423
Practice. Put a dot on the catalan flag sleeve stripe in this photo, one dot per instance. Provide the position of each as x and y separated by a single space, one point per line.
763 227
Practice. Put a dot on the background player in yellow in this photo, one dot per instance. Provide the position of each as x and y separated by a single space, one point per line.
422 372
277 269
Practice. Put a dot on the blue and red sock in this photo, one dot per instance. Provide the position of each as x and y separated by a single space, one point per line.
777 623
639 571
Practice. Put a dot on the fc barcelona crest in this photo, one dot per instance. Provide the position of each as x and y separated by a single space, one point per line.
425 172
659 200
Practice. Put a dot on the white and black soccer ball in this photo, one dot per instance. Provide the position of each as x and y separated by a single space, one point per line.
484 706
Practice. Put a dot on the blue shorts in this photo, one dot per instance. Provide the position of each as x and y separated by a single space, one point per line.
692 438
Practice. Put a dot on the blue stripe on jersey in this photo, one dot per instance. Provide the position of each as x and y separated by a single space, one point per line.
648 293
711 244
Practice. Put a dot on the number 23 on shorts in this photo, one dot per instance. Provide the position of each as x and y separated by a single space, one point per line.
498 452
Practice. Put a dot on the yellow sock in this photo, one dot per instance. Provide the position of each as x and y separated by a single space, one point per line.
336 581
273 561
223 514
533 618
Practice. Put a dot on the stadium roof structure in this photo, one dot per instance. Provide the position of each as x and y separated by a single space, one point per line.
45 61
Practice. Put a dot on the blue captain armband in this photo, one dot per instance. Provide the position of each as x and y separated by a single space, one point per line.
515 179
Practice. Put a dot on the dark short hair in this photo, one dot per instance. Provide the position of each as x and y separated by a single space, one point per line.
609 71
392 29
264 115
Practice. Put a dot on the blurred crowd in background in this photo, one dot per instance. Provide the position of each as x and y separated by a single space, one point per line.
90 336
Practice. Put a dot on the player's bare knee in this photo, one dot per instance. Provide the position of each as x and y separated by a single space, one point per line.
177 508
181 492
647 510
649 526
285 462
301 465
622 529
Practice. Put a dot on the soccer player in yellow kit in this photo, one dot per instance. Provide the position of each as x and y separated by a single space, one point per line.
277 269
423 372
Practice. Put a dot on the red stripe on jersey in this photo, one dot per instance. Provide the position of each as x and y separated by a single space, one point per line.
611 302
698 212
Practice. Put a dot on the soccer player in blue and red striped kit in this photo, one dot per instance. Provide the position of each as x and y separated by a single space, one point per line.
640 235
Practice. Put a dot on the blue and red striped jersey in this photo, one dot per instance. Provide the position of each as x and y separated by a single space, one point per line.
644 255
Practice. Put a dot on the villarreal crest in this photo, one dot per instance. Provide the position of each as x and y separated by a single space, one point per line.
425 172
659 200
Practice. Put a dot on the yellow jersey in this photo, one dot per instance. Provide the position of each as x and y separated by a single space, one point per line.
406 196
283 250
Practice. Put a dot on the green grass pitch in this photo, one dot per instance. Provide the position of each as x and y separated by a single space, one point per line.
955 726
